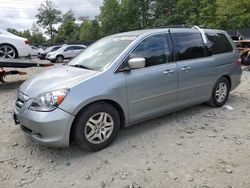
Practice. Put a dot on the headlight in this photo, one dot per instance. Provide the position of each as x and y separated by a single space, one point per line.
48 55
48 101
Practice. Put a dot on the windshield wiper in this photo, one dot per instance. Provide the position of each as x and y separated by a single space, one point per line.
81 66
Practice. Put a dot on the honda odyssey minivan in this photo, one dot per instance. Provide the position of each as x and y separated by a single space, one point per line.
124 79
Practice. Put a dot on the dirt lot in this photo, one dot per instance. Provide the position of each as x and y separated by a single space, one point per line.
199 147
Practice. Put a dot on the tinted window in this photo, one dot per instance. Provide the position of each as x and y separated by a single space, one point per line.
218 43
154 49
78 47
55 48
69 48
189 46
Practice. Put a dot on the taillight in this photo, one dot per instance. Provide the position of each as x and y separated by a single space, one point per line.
239 61
27 42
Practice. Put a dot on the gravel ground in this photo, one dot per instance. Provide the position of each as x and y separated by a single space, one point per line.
199 147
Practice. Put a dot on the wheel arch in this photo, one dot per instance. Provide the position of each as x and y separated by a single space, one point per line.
111 102
59 55
229 80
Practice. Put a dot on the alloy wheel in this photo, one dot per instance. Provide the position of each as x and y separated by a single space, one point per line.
99 128
221 92
7 51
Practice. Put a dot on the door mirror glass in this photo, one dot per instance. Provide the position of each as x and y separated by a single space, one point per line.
137 62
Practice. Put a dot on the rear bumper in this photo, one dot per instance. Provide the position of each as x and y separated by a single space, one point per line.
24 51
48 128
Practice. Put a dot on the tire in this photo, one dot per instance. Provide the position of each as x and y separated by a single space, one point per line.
8 51
59 59
53 61
93 122
220 93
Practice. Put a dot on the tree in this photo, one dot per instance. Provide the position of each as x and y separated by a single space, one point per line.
48 16
166 13
110 17
37 36
89 29
68 30
232 14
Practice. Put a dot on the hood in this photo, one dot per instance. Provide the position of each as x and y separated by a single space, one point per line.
55 79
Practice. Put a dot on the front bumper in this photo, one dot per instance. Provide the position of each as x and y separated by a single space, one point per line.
48 128
50 58
41 56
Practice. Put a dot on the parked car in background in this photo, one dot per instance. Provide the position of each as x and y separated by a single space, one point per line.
12 46
244 49
35 50
124 79
65 52
42 55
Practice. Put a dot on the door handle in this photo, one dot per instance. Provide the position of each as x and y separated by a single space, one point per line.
168 72
185 69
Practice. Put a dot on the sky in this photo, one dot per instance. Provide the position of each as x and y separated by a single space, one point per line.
21 14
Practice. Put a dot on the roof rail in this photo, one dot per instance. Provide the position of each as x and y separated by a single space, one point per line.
175 26
203 35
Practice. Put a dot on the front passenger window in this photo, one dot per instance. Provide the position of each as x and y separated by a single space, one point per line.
154 49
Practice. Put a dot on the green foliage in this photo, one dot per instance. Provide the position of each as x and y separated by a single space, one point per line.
110 17
126 15
232 14
68 30
89 29
48 16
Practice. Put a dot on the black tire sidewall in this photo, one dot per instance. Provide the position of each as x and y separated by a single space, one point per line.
215 102
84 116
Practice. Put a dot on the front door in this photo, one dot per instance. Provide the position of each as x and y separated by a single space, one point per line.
153 89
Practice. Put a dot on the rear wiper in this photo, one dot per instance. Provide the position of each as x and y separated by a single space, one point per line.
81 66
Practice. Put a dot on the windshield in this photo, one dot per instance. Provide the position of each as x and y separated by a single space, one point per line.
102 53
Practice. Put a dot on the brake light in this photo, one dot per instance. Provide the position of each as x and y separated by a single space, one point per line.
27 42
239 61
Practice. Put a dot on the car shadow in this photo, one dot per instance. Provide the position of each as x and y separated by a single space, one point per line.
128 133
8 86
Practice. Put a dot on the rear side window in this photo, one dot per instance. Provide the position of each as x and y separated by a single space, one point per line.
218 43
154 49
55 48
188 46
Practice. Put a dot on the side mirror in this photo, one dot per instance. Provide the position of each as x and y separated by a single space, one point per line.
138 62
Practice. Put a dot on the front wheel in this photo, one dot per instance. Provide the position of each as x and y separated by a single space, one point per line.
220 93
59 59
97 126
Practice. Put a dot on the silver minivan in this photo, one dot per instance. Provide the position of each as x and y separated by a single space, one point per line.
124 79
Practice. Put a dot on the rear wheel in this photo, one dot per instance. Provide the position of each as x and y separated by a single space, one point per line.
220 93
59 59
8 51
97 126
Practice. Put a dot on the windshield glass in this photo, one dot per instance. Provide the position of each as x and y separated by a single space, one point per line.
102 53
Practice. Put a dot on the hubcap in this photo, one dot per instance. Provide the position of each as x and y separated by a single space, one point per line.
59 59
99 128
221 92
7 52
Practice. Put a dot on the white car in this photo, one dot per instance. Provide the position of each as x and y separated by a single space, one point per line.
12 46
35 50
65 52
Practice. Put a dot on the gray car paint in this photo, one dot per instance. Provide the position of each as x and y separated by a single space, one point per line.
129 90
